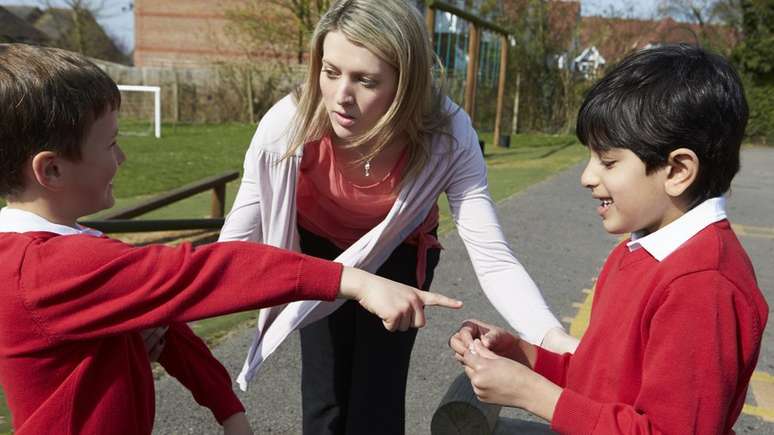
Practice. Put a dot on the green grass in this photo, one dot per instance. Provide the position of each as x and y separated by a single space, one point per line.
184 154
5 415
189 153
530 159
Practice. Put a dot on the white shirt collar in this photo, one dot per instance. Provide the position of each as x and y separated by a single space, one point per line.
667 239
14 220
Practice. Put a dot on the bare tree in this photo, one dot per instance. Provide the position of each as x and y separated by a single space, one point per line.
700 12
719 21
276 25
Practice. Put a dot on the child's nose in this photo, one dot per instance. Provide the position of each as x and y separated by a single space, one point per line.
588 178
120 156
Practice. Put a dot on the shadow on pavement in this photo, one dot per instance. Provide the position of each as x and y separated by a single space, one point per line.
507 425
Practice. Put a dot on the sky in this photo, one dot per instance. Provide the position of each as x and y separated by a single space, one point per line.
637 8
117 16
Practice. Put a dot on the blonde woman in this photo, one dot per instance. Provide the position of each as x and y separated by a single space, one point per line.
351 169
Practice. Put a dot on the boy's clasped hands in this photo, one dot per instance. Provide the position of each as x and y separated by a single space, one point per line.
499 365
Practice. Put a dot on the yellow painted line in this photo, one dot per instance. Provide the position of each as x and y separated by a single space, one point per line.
761 383
757 411
580 322
752 231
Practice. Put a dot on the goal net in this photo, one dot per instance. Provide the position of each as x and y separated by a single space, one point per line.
140 113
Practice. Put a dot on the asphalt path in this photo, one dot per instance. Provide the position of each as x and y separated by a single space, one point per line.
555 232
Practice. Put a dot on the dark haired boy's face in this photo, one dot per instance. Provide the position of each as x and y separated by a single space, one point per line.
629 199
90 180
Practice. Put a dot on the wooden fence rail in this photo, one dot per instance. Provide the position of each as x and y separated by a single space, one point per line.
121 220
149 225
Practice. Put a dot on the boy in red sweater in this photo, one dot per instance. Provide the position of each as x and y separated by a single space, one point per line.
677 317
72 359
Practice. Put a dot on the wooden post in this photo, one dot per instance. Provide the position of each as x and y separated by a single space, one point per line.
430 23
176 98
249 84
472 73
515 125
501 87
461 413
218 207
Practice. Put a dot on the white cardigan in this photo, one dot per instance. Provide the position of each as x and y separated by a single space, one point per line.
265 211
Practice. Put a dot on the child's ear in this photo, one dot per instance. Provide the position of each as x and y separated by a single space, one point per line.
46 170
683 169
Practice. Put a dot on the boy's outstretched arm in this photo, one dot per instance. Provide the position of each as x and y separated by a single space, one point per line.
122 288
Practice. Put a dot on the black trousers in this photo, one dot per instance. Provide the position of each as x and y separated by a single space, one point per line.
353 377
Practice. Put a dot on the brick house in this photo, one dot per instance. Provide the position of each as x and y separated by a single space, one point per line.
192 33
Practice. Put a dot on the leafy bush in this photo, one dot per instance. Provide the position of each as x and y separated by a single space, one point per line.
761 125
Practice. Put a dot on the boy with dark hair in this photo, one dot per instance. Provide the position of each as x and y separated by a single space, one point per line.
72 359
677 317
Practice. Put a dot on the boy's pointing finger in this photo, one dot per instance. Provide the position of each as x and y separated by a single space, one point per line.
440 300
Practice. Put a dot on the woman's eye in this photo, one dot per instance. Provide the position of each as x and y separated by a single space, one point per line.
330 73
368 83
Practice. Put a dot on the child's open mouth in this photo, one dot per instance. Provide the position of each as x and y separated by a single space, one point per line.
604 205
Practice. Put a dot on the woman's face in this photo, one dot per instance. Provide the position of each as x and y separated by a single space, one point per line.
357 86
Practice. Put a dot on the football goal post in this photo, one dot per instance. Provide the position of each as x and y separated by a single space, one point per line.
138 115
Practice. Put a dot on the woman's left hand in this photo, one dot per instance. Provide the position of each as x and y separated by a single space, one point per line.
557 340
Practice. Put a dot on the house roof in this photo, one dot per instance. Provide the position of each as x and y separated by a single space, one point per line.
59 25
615 37
590 54
55 22
14 28
26 13
563 19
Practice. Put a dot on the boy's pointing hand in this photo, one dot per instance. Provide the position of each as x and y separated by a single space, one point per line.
399 306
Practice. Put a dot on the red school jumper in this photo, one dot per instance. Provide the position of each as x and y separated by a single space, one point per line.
671 345
71 358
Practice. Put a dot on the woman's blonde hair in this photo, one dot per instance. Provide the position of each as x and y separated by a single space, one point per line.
394 31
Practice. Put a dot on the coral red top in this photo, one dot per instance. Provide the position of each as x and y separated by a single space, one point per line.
331 206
